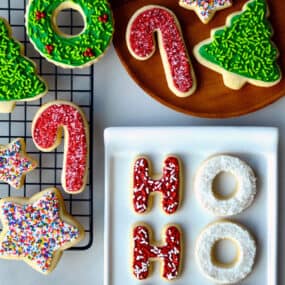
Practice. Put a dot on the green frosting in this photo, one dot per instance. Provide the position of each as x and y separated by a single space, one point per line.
18 79
245 47
74 51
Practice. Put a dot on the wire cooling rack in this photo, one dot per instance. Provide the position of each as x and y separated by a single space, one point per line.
72 85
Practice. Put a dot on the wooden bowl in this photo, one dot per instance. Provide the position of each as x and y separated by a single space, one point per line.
212 99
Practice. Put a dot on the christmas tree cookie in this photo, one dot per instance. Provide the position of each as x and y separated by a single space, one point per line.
18 78
242 51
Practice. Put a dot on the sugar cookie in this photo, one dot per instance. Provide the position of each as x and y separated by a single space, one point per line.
205 9
15 163
18 76
37 229
176 62
168 185
244 194
65 50
246 257
47 127
145 251
242 50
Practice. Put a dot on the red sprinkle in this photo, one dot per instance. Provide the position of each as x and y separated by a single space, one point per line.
88 52
168 185
49 48
104 18
45 134
143 251
142 43
40 15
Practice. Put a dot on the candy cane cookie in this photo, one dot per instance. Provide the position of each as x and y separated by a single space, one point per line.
241 199
47 127
70 51
145 251
144 186
225 273
37 230
142 26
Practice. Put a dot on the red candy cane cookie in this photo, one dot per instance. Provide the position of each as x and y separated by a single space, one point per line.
176 62
144 252
168 185
47 128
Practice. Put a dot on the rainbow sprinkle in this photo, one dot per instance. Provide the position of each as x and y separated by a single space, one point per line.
35 231
14 163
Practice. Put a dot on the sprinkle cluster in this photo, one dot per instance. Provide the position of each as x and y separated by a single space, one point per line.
96 36
45 134
245 47
206 8
143 252
18 79
168 185
14 164
142 43
35 231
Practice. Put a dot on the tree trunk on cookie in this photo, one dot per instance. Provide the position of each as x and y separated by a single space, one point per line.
18 78
242 51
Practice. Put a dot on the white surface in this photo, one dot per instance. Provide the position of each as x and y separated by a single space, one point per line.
192 146
120 102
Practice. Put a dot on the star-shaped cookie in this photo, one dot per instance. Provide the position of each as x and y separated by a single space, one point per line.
15 163
37 229
205 9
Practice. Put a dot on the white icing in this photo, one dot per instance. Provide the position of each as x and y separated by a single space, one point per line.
247 251
244 195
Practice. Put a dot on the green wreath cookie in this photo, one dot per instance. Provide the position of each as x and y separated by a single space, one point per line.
65 50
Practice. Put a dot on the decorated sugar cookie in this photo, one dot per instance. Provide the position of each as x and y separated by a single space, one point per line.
145 251
168 185
18 77
65 50
48 124
15 163
242 50
37 229
225 273
152 19
205 9
243 195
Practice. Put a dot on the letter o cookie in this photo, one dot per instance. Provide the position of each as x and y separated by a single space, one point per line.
243 196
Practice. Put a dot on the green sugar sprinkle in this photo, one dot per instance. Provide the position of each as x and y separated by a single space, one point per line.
245 47
18 79
76 50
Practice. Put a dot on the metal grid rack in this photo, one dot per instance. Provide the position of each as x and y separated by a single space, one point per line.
72 85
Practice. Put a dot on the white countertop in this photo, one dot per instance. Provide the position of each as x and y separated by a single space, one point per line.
120 102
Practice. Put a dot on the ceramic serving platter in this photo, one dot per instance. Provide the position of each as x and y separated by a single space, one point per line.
257 146
212 99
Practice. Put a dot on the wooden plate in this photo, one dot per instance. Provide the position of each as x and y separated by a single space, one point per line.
212 99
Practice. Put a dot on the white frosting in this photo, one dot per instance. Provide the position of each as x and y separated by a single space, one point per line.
244 195
247 251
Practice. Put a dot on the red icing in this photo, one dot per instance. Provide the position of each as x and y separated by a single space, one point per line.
104 18
45 132
88 52
40 15
142 43
49 49
143 252
168 185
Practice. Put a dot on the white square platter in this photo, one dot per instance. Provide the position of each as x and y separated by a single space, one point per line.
258 146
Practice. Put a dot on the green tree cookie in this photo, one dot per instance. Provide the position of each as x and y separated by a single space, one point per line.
242 51
18 79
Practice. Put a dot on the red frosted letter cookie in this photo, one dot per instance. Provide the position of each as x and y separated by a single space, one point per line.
144 251
168 185
176 62
47 132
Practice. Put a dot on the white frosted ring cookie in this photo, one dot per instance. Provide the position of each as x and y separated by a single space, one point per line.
225 274
241 199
